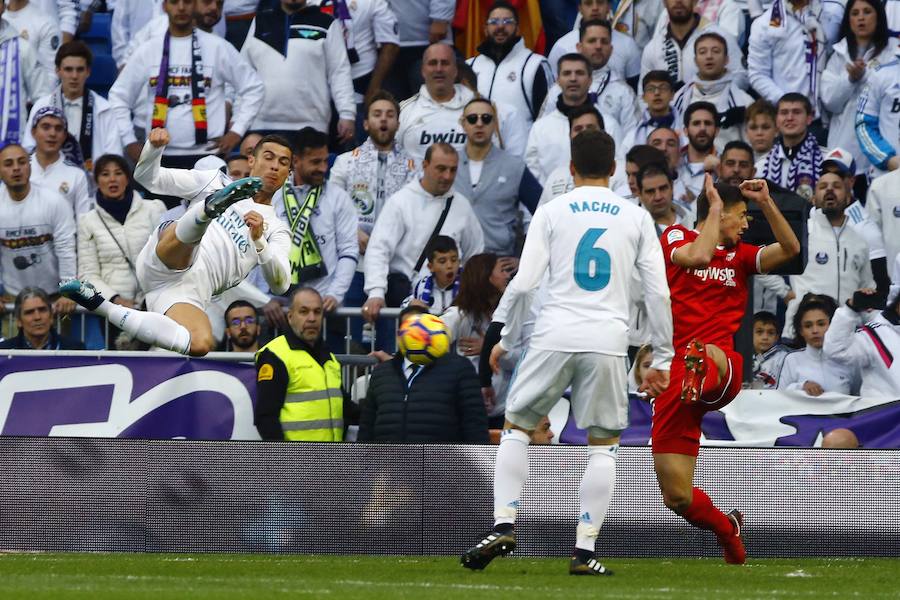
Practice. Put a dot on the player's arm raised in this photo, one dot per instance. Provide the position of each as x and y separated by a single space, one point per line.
149 172
699 252
787 245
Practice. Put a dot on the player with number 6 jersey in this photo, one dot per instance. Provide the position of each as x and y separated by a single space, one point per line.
590 243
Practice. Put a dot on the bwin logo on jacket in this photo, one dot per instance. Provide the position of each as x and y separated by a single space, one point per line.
450 137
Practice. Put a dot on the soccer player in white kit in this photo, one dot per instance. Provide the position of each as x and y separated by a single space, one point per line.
589 242
211 248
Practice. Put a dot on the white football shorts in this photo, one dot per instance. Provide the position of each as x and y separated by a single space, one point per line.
164 287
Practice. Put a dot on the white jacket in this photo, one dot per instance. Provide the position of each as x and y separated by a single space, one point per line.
312 73
40 31
839 97
100 258
663 53
403 230
423 121
511 81
615 99
34 81
870 349
128 18
106 139
811 364
625 60
777 61
334 222
131 93
837 265
549 145
883 206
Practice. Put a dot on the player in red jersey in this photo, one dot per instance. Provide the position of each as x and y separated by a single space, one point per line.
708 270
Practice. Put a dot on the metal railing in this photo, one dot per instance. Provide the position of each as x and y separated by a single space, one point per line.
348 313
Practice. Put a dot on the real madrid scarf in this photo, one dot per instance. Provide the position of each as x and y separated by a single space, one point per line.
10 107
341 12
198 90
804 170
79 151
305 257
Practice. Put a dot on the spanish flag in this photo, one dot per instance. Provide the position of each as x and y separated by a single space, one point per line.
471 15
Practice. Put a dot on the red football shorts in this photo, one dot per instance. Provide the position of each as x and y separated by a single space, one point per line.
676 426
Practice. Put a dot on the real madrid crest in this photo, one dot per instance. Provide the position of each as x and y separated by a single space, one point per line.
64 187
511 76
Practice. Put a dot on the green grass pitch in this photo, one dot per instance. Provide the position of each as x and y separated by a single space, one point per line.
157 576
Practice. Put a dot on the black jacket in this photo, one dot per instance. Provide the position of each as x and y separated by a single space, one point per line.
54 342
442 406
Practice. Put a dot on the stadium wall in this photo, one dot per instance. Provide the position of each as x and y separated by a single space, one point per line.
85 494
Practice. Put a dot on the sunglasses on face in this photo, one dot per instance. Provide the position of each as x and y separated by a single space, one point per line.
236 322
505 21
486 118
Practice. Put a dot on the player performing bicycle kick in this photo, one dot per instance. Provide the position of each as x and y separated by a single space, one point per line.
229 228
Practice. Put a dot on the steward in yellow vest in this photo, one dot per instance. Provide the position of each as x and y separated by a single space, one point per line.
298 381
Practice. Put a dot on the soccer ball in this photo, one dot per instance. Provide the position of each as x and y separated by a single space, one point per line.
423 338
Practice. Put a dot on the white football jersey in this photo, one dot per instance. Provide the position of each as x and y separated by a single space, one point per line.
589 241
226 250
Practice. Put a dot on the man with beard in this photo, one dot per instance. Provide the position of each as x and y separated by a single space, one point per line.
549 145
506 69
838 262
242 327
372 173
672 47
699 157
611 95
655 189
715 84
323 222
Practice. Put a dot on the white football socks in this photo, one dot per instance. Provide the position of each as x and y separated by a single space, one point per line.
152 328
189 229
595 493
510 473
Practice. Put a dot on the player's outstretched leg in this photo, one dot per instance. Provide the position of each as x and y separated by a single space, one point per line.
595 493
510 473
151 328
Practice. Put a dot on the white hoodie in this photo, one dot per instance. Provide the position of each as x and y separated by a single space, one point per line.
811 364
404 227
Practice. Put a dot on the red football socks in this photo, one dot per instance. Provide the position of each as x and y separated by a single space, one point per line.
703 514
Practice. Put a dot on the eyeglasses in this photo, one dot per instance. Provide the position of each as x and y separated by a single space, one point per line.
486 118
658 89
505 21
236 322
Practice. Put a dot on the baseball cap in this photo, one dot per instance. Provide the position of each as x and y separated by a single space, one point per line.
842 160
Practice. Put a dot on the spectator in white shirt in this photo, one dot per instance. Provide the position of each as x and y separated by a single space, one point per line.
50 168
299 53
506 69
187 70
129 17
37 231
37 28
91 123
810 370
29 83
865 45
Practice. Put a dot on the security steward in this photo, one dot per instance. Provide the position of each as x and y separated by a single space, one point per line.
298 381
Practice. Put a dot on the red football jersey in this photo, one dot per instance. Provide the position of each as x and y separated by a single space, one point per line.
708 304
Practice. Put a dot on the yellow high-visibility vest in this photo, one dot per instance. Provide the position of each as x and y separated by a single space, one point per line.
313 408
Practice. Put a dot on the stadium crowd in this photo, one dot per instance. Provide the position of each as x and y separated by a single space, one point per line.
416 167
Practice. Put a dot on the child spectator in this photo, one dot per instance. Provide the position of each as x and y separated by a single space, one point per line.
768 354
437 291
642 361
760 128
808 370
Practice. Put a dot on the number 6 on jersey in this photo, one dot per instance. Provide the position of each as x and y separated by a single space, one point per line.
591 264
